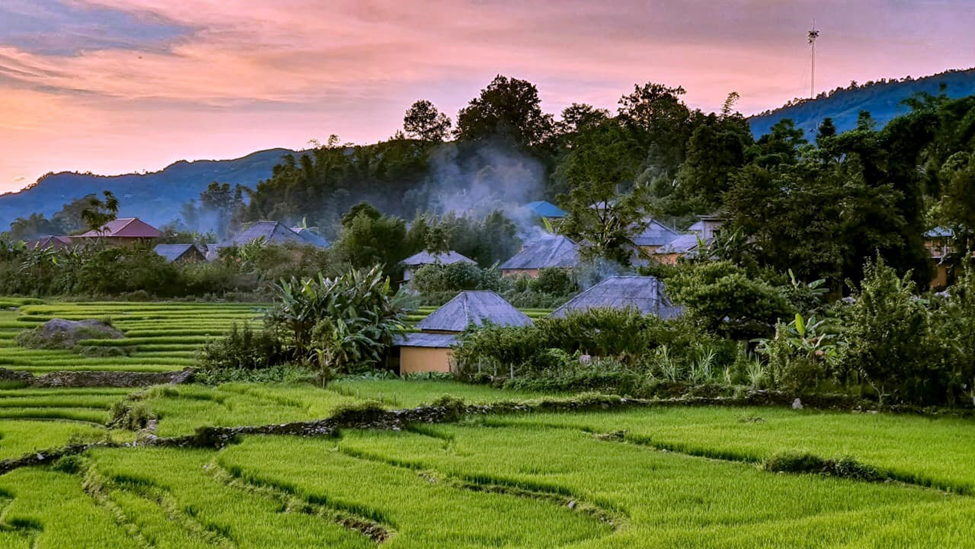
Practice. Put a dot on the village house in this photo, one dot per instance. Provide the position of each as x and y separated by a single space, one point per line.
48 242
555 251
124 231
643 293
275 233
316 239
180 253
937 241
418 261
546 210
654 236
429 350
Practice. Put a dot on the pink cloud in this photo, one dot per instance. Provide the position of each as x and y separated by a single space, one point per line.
250 74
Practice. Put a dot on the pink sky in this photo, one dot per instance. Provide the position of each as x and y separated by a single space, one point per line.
114 86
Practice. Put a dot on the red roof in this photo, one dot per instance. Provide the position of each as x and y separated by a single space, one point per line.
126 227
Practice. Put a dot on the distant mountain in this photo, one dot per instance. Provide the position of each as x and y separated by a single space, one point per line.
882 100
156 197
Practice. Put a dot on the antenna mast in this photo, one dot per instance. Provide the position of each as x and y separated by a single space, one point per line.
813 35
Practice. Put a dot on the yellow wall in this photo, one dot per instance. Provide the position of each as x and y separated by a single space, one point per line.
423 359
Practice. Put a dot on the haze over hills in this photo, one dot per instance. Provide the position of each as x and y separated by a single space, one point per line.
882 100
158 197
155 197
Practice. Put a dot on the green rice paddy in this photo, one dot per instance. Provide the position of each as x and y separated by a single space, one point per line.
651 477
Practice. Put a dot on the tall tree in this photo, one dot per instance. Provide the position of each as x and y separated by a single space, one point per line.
423 121
508 109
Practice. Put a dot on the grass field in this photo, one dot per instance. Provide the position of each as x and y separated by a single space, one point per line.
657 477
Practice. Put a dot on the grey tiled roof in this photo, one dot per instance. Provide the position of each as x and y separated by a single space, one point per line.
553 251
427 258
644 293
473 308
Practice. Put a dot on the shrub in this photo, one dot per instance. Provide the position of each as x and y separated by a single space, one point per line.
797 462
131 415
274 374
242 349
886 333
348 321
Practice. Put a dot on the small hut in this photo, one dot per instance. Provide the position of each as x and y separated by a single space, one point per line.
554 251
180 253
123 231
417 261
429 350
644 293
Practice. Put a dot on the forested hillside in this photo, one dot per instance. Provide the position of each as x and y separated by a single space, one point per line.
882 99
155 197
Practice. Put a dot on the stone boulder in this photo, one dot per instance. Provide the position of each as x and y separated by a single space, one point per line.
58 333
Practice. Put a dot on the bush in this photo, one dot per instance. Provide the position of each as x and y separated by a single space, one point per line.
886 335
131 415
274 374
847 467
242 349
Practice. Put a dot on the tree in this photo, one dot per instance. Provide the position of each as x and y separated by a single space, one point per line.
368 241
423 121
661 118
438 239
715 151
509 110
581 116
25 228
605 209
100 212
721 297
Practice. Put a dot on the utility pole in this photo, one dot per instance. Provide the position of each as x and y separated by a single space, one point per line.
813 35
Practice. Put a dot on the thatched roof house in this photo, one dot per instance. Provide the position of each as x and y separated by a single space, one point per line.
544 253
429 350
644 293
124 230
180 253
273 232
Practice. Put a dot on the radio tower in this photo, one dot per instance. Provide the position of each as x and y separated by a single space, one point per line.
813 35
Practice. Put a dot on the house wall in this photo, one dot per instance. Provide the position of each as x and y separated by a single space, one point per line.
667 259
423 359
515 272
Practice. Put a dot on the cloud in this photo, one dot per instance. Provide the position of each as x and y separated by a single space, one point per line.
105 74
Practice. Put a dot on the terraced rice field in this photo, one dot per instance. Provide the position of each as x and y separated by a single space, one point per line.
648 477
656 477
159 337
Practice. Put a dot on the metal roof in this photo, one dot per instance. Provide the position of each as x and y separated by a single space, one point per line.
173 252
273 232
655 234
313 238
125 227
48 241
644 293
940 232
683 244
544 208
430 341
473 308
552 251
427 258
